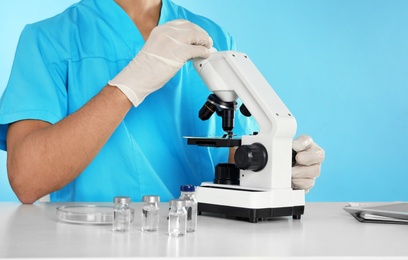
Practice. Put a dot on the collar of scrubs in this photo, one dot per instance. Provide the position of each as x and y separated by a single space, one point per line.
111 12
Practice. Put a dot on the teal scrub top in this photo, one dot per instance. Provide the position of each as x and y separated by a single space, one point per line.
63 61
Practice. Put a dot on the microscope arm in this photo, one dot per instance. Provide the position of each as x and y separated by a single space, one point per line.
232 75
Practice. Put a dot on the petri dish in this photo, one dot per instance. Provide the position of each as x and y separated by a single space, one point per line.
88 214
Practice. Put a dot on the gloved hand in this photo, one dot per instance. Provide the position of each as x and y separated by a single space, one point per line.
166 50
309 158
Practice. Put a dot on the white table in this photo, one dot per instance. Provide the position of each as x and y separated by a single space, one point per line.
325 230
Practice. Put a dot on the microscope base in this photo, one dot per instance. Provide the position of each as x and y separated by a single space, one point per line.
252 215
250 204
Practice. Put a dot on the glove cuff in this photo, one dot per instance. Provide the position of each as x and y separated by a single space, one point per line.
128 93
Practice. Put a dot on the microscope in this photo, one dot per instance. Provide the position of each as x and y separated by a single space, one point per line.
257 186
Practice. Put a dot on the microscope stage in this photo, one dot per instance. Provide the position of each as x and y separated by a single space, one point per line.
213 142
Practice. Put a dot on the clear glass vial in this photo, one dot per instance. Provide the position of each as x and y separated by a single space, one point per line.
121 214
187 194
177 225
150 213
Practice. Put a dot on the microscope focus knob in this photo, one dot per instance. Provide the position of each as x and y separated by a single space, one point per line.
251 157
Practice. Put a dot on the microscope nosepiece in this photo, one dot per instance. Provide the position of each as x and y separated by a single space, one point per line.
226 110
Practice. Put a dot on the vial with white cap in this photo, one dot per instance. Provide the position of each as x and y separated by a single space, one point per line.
177 224
121 214
150 213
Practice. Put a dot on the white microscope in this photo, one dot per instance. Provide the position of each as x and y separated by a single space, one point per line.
258 185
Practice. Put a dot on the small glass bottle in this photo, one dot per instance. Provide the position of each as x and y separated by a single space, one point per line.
150 213
177 225
187 194
121 214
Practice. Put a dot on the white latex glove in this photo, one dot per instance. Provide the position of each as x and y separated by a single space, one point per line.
309 158
166 50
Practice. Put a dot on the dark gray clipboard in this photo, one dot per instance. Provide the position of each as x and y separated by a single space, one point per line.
396 210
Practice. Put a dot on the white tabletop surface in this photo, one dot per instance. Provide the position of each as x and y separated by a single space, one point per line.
325 230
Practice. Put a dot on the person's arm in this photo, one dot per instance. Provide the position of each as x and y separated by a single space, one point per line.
43 158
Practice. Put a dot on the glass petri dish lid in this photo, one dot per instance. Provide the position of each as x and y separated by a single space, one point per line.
88 214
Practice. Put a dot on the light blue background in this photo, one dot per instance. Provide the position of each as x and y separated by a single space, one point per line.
340 66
